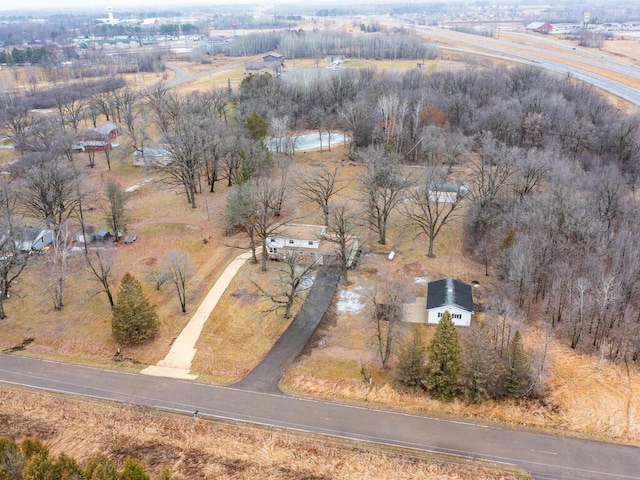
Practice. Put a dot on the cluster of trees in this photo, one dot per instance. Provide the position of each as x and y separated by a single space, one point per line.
18 56
314 44
30 459
551 168
15 106
479 368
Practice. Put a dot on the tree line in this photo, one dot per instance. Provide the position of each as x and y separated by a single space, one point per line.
314 44
477 366
30 55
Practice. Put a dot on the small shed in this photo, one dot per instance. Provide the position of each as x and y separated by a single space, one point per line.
450 295
102 236
447 192
35 239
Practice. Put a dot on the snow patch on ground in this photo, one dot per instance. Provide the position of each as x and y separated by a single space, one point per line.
421 280
349 301
137 186
307 282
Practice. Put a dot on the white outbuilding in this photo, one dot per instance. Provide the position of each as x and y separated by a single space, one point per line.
452 295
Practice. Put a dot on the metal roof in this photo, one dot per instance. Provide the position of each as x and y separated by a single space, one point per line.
449 292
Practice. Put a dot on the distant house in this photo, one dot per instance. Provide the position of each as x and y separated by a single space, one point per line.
258 68
94 141
273 57
151 157
539 27
452 295
34 239
109 130
447 192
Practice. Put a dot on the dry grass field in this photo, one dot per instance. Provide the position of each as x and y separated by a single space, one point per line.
199 449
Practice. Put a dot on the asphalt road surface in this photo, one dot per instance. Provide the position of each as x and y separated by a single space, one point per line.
266 376
568 62
544 456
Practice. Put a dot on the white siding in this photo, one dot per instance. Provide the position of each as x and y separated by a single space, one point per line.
460 317
278 242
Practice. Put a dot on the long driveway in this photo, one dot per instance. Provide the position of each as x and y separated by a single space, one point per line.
545 456
266 376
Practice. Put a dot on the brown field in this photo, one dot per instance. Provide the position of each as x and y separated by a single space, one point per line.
584 396
199 449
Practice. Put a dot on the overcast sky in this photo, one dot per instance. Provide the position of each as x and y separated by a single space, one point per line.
97 5
48 6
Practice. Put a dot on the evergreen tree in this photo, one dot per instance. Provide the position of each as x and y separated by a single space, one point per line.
66 468
481 367
444 360
134 318
517 380
39 467
133 471
257 127
11 459
410 371
100 468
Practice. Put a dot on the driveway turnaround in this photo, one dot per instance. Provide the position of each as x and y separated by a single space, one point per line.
266 375
544 456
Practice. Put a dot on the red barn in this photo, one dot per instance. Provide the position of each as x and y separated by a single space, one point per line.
539 27
108 129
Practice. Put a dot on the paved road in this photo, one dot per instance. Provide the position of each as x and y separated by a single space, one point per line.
545 456
265 377
568 61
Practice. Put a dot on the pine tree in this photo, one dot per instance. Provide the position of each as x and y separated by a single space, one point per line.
445 357
517 380
481 367
410 371
134 318
133 471
101 468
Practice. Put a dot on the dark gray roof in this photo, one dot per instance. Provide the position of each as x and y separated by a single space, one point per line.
449 292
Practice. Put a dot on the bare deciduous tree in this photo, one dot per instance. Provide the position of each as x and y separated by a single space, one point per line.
319 187
179 271
59 261
386 315
100 264
342 230
12 261
295 276
49 191
256 208
433 204
382 186
116 209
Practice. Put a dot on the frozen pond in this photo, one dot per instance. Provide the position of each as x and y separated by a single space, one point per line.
309 141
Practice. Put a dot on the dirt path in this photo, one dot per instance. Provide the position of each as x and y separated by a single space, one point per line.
177 363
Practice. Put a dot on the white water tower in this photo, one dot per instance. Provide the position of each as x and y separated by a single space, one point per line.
110 14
